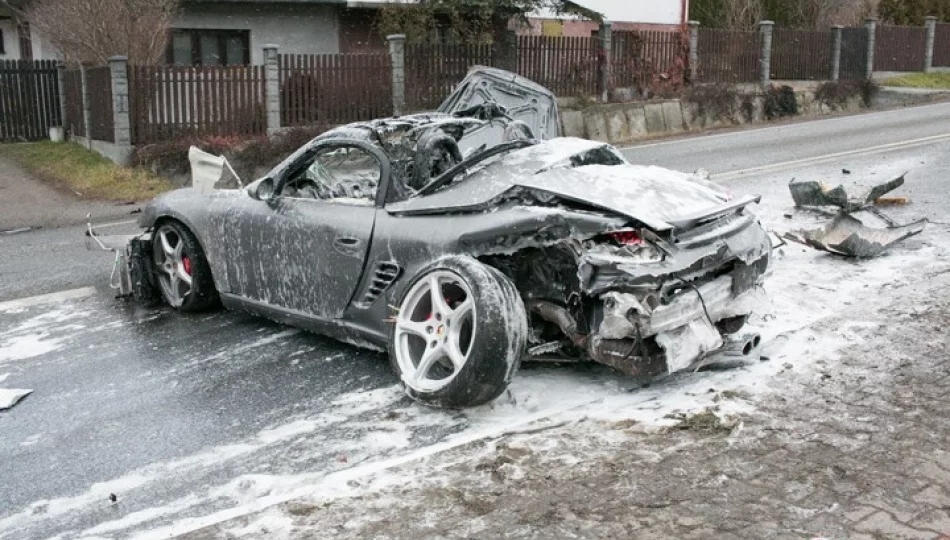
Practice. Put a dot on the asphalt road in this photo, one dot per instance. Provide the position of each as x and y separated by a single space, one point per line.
181 416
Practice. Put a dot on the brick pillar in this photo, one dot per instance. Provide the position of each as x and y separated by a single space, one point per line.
693 50
61 80
836 33
397 53
271 89
871 25
119 70
86 106
765 58
604 56
931 25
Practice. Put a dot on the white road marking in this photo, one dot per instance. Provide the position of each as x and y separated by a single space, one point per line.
114 223
774 167
61 296
700 137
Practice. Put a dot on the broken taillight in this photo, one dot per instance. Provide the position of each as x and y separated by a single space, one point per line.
627 238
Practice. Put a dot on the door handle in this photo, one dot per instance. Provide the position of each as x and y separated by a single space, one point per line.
347 241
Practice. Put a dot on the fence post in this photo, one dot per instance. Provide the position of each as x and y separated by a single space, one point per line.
61 81
397 53
836 34
119 70
931 25
693 50
86 106
271 89
871 25
604 58
765 59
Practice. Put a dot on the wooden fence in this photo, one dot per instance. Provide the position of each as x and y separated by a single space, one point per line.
854 54
567 66
638 58
29 99
168 102
942 45
800 55
334 88
899 48
728 56
432 71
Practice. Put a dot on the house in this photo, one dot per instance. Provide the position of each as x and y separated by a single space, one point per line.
18 42
622 14
214 32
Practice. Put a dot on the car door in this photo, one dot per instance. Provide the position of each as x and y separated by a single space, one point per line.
304 248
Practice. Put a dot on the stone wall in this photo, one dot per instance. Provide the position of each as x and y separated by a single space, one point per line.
629 122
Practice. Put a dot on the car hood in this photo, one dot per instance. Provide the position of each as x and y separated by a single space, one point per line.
524 100
659 198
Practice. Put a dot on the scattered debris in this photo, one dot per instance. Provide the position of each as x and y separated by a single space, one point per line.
845 171
847 235
10 396
812 193
705 420
112 498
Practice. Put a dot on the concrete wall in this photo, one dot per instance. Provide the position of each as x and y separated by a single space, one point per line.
297 29
574 28
628 122
635 11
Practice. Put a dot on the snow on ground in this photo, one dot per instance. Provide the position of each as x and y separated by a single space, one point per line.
804 286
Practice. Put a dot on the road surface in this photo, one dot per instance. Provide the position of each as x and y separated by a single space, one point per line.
180 417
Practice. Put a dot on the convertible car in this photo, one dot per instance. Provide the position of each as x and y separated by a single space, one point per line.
464 241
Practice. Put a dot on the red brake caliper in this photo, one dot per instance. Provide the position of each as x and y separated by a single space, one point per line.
186 263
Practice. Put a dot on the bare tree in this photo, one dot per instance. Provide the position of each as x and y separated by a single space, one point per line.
742 14
93 30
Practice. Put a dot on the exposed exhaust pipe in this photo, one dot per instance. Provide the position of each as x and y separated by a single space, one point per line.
741 345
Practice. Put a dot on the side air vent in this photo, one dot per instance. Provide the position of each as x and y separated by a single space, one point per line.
381 277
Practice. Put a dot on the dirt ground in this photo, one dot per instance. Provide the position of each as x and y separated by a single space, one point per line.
858 447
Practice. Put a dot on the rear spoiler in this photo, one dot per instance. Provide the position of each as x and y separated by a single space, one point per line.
690 221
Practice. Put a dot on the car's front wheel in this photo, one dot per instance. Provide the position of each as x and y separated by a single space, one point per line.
183 274
459 335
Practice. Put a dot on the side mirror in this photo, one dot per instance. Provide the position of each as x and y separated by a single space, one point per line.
263 190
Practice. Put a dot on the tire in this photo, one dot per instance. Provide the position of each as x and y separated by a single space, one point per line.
489 334
182 257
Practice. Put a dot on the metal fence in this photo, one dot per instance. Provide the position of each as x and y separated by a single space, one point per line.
854 54
565 65
942 45
638 57
102 123
29 99
334 88
800 55
899 48
169 101
74 121
728 56
433 70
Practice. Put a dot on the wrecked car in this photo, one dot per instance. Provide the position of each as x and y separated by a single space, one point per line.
465 241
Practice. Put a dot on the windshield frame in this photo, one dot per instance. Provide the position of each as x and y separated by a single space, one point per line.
461 167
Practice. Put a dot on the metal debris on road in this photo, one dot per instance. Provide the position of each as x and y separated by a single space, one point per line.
847 235
11 396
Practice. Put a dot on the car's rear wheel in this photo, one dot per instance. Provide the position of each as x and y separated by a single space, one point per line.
459 335
183 274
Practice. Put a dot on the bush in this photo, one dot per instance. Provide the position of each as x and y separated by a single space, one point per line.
838 93
248 156
714 100
780 102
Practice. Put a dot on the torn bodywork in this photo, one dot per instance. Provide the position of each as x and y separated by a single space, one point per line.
385 234
847 235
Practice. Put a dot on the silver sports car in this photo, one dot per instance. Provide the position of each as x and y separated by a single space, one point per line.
465 241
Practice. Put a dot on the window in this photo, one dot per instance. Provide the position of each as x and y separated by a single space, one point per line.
340 174
3 47
209 47
26 42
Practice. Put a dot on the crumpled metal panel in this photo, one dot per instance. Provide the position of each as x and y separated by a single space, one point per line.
848 236
812 193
